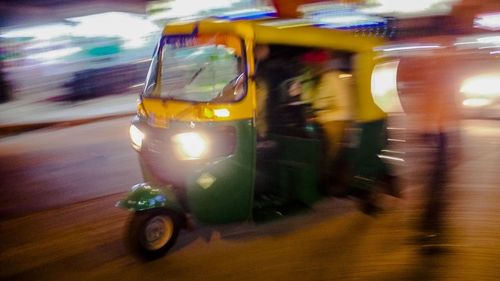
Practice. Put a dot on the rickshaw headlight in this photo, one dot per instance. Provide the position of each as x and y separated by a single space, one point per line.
190 146
136 136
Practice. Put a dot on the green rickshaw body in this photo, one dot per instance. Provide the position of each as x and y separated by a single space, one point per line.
215 190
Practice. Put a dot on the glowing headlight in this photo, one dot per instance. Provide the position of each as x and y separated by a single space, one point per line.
136 136
190 145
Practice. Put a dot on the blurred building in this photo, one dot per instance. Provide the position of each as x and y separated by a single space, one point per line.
46 44
72 50
66 43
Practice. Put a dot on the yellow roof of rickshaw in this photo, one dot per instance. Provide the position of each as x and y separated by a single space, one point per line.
296 32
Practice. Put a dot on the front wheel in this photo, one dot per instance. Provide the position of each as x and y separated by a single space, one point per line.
153 232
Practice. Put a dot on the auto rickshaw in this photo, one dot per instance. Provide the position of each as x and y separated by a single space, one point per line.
196 137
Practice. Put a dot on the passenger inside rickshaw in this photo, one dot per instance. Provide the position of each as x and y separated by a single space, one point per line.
296 100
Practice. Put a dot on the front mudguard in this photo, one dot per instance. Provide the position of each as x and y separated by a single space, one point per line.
145 196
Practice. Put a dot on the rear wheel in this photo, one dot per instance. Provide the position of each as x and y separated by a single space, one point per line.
152 233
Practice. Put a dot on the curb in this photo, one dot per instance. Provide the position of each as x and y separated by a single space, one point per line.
13 129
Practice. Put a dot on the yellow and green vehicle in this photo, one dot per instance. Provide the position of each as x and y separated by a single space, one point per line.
196 128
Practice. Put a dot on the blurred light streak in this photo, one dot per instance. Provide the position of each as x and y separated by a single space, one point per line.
476 102
248 14
393 151
489 39
390 158
488 21
396 140
339 15
345 20
55 54
144 60
482 85
44 44
410 7
480 42
137 85
134 43
411 47
489 47
44 32
184 8
466 43
113 24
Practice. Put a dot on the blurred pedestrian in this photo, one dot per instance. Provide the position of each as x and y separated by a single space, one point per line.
331 99
428 84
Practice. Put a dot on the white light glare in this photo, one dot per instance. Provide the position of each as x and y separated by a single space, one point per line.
44 44
44 32
384 87
410 7
184 8
476 102
410 47
384 78
114 24
483 42
482 85
344 20
134 43
136 136
55 54
221 112
190 145
488 21
390 158
489 40
137 85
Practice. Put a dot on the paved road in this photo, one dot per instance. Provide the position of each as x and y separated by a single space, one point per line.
59 223
52 168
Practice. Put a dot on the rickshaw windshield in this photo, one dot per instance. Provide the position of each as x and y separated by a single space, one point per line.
201 68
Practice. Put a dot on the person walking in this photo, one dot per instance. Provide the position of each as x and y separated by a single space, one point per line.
428 84
331 98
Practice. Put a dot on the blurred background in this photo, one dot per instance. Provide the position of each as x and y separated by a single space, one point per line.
57 52
72 61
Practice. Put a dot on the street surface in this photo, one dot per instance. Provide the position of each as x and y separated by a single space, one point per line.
58 221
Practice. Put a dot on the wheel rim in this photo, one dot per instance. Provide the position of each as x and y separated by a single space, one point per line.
158 231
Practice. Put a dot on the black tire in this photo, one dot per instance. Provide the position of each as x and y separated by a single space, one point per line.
150 246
